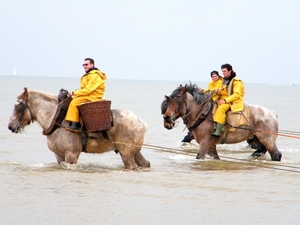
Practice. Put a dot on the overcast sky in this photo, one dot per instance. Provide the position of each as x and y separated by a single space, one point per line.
152 40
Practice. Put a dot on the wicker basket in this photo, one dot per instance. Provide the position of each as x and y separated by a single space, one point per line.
96 115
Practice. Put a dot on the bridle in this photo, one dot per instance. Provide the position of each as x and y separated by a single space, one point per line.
201 116
179 103
21 109
173 119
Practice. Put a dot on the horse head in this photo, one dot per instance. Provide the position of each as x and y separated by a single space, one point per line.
21 116
188 102
172 107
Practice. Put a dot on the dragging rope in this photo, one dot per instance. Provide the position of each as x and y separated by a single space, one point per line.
283 133
245 162
290 134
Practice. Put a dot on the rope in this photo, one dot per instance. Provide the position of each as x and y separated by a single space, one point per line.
202 104
269 165
284 133
291 134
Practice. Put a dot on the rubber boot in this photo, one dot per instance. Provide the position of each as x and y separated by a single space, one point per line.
74 127
188 138
217 133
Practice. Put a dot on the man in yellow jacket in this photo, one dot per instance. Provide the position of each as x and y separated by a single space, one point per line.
92 88
231 96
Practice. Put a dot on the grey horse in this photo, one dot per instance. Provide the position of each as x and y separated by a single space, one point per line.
125 137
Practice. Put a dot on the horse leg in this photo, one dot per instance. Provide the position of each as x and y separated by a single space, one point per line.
203 148
260 151
275 154
272 149
128 160
59 158
212 152
140 160
71 157
256 144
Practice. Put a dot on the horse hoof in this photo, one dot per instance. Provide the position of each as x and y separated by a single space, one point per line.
276 156
199 156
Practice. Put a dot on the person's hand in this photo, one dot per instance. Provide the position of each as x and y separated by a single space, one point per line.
221 101
200 88
70 94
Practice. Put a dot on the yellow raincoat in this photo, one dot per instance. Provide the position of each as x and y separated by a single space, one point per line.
92 88
235 100
213 85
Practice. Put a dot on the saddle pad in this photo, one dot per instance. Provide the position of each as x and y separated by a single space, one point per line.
59 116
238 119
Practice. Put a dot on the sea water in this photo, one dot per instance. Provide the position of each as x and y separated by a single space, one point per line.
177 189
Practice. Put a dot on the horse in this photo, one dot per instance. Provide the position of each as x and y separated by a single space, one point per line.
195 108
126 136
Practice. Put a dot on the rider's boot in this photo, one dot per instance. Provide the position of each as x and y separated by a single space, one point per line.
188 138
74 127
217 133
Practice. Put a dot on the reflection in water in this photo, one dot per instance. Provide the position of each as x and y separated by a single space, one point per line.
207 165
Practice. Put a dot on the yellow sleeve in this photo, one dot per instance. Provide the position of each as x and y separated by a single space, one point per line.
237 92
94 81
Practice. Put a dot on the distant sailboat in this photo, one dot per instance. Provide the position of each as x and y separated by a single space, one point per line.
15 71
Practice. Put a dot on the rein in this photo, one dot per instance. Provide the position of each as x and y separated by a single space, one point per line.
200 117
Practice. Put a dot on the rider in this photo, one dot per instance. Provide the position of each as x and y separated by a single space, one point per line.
231 97
215 84
92 88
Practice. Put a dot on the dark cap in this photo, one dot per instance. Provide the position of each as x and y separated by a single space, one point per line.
214 72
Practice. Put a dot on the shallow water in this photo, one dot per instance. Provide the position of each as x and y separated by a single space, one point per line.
177 189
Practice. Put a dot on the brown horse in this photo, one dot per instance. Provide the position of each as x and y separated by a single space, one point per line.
195 108
126 136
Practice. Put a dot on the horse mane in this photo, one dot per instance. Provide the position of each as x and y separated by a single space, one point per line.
198 96
34 94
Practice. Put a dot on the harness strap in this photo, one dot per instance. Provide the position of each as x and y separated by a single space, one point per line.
196 124
22 111
84 142
105 135
201 116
